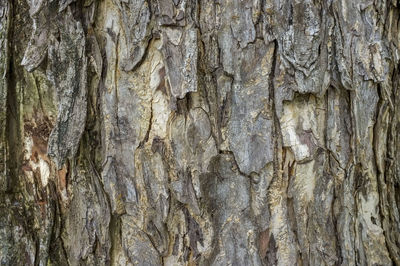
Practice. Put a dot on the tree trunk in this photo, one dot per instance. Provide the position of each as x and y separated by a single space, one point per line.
209 132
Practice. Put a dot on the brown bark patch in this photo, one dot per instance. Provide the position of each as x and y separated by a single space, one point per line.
263 242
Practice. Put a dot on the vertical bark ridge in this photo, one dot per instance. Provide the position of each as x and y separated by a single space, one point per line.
204 132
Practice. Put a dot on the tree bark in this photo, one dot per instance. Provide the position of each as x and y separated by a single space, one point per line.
152 132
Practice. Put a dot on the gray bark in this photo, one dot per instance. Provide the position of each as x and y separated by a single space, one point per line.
157 132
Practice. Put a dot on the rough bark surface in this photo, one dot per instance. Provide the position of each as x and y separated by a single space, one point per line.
199 132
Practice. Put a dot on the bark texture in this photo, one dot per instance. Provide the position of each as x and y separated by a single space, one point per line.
199 132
